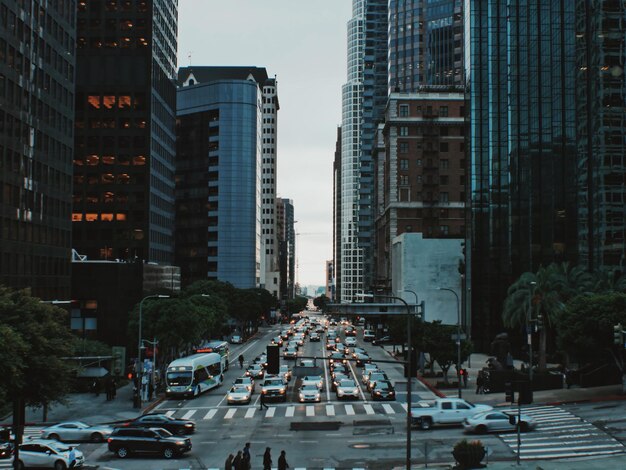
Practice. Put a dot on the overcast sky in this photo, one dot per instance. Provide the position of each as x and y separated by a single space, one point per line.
303 43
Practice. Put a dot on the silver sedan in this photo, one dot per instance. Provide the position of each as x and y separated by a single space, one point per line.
496 421
239 394
75 431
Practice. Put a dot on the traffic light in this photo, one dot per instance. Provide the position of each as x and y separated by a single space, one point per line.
539 321
509 394
273 359
617 334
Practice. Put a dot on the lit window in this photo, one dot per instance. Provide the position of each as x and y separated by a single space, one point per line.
94 101
108 178
91 217
108 159
77 217
123 101
108 101
139 160
121 216
123 178
106 217
108 197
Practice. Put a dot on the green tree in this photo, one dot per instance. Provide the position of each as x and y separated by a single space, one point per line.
438 342
585 330
321 302
34 339
533 295
297 304
89 347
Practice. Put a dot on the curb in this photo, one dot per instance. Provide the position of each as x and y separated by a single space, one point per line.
153 405
589 400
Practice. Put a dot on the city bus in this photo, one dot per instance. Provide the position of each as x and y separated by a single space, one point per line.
219 347
192 375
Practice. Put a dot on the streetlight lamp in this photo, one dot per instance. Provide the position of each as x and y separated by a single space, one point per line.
140 365
529 331
458 338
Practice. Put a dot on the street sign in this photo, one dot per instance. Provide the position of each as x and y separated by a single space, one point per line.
460 337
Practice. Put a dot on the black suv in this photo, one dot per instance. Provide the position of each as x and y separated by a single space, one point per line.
157 420
126 441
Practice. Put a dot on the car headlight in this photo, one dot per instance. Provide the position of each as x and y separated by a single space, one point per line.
180 443
282 390
356 391
189 389
188 425
168 390
301 397
376 392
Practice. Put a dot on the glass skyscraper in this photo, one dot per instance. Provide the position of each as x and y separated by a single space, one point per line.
521 75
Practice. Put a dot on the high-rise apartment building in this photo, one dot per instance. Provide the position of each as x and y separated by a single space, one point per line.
285 224
123 205
601 120
363 99
337 218
425 43
218 175
521 72
37 63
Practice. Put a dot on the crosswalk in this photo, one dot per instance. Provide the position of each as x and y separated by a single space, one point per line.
560 434
287 411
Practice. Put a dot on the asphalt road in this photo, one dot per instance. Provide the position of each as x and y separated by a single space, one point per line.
358 433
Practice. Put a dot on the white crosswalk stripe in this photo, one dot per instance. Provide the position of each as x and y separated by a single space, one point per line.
293 411
560 434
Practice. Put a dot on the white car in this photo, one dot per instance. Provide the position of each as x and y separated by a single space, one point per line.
236 339
347 389
48 454
309 393
285 372
74 431
246 381
350 341
313 380
489 421
239 394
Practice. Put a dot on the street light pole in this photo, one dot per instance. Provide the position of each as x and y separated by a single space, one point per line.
139 363
458 339
529 331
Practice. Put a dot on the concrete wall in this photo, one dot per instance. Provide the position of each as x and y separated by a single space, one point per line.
422 266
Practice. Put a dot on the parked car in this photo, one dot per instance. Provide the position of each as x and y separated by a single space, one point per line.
6 449
383 390
126 441
47 453
444 411
76 431
158 420
347 388
309 392
239 394
489 421
382 340
236 339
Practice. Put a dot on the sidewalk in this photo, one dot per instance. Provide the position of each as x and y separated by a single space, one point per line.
89 408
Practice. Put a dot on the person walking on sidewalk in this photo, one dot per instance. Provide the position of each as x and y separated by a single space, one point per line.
480 382
228 465
237 461
245 458
267 459
282 461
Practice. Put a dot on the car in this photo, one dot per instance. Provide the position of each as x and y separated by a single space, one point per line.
285 372
261 359
290 353
158 420
255 371
382 340
383 390
247 381
239 394
309 393
315 337
47 453
362 359
337 379
300 339
313 380
489 421
375 377
284 334
366 374
337 357
307 363
330 345
320 329
126 441
277 340
350 332
236 339
6 449
445 411
340 369
274 387
347 388
76 431
369 335
342 348
350 341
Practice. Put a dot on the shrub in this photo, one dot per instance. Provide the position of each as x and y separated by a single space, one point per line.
468 454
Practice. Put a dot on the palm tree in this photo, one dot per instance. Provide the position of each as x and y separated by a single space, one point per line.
535 294
607 280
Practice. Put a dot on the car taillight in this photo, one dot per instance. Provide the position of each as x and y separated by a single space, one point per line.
109 440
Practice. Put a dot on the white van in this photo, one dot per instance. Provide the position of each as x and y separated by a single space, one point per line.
368 335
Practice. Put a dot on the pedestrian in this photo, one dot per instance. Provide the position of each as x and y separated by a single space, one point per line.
241 361
267 459
282 461
72 458
96 387
480 382
464 372
228 465
262 402
245 459
113 389
237 461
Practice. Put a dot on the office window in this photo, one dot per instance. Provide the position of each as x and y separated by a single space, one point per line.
444 229
404 164
404 131
444 164
444 197
404 180
404 147
443 111
404 110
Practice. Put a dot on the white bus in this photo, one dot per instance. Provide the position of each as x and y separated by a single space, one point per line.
219 347
192 375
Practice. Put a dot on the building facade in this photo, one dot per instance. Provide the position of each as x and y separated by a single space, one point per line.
420 172
37 70
123 203
287 247
218 176
521 77
337 218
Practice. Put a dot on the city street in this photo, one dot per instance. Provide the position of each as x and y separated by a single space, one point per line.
357 433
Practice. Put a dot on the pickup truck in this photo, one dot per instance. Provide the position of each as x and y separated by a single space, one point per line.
444 411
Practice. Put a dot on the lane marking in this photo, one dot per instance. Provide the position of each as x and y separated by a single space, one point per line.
210 414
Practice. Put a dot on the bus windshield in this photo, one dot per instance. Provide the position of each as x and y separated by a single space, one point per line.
179 378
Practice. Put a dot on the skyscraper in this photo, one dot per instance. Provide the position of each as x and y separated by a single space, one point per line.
218 175
521 76
37 60
287 243
123 204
